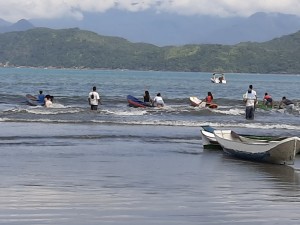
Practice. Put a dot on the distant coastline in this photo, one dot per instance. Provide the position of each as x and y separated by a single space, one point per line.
107 69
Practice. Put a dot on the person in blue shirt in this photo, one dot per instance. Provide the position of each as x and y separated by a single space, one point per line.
41 98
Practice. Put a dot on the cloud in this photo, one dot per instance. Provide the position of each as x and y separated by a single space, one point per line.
13 10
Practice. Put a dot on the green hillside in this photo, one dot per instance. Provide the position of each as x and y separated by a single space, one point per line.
74 48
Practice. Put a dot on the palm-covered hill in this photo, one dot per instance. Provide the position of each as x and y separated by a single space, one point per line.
74 48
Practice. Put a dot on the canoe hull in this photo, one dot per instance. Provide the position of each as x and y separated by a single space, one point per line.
196 102
212 106
32 100
277 152
134 102
209 141
207 134
260 105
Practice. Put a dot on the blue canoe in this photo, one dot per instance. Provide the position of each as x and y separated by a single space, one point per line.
134 102
32 100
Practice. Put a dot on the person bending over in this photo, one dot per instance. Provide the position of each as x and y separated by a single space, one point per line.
158 101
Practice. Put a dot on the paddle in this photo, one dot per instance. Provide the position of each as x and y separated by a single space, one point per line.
200 102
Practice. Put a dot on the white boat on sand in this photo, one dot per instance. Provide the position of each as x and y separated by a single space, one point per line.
278 152
209 140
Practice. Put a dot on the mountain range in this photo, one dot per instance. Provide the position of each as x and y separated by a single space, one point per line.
75 48
163 29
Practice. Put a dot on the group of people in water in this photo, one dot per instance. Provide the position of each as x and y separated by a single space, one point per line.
93 99
250 99
157 101
45 100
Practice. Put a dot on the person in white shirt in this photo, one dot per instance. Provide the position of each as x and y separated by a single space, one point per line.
158 101
250 99
48 101
94 99
253 92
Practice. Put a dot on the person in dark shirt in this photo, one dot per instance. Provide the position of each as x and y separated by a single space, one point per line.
286 103
147 98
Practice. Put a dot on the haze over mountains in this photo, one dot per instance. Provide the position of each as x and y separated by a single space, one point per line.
172 29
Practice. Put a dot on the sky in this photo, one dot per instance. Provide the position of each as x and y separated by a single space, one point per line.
14 10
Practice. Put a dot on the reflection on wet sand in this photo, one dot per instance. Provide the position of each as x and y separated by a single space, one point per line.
286 176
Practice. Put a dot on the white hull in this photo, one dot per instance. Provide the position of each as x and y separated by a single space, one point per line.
279 152
217 81
32 100
209 140
196 102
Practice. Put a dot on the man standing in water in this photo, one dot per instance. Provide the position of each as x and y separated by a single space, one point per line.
94 99
250 99
253 92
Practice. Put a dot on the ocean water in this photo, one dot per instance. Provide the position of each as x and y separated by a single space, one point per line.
123 165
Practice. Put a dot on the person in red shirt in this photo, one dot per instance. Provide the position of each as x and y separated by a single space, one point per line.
268 99
209 98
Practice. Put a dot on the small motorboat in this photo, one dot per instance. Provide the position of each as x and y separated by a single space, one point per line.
278 152
134 102
218 79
